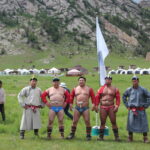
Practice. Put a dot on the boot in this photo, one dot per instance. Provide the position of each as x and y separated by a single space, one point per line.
88 133
130 137
61 130
145 138
22 132
49 131
116 134
101 135
36 132
72 134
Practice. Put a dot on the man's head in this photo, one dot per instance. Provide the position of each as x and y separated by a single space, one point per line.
108 80
135 81
1 83
82 81
33 82
56 82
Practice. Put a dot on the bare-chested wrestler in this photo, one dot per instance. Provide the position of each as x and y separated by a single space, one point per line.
82 93
105 97
58 97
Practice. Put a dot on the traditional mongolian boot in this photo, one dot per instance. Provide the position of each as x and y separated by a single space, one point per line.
145 138
72 134
22 132
49 131
130 137
36 132
61 130
88 133
101 135
116 134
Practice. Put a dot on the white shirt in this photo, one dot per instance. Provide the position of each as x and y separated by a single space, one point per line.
2 96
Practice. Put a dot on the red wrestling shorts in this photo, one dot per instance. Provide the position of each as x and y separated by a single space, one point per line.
107 108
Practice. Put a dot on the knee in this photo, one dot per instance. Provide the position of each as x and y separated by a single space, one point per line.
74 122
87 122
50 122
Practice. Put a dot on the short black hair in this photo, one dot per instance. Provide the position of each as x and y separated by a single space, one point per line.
1 82
81 77
108 77
56 79
35 79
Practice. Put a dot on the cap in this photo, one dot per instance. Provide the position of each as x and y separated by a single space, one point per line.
55 79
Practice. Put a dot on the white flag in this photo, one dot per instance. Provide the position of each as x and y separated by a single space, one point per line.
102 52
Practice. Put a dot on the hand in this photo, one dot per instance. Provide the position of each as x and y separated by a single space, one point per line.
48 104
93 107
71 107
96 109
25 107
115 109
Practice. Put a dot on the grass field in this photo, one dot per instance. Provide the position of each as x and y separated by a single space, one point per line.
9 131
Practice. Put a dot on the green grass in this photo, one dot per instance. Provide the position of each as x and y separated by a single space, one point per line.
9 131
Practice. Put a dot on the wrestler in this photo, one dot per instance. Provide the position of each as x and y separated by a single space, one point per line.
137 99
58 99
82 93
105 97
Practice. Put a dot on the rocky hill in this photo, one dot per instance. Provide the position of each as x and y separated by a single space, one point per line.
36 23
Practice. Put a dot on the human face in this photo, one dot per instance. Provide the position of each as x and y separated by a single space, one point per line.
82 82
135 83
33 83
56 84
108 81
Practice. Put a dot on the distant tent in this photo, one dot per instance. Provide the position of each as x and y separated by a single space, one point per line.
54 71
81 69
74 72
42 71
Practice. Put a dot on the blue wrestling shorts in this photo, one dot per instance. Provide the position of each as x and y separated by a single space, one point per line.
81 109
56 109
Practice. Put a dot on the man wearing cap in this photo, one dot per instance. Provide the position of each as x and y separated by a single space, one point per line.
136 100
2 101
58 98
30 100
106 98
82 93
66 109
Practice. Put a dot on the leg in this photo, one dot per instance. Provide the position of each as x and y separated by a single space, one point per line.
66 110
22 132
3 112
86 117
112 116
60 117
103 117
130 137
36 132
50 123
76 118
145 138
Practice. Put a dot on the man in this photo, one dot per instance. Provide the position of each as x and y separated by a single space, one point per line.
2 101
105 97
82 93
137 99
66 109
30 99
59 97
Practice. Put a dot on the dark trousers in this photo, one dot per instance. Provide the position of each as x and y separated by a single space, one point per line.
2 110
67 113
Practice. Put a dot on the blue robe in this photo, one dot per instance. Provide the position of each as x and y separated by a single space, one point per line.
137 97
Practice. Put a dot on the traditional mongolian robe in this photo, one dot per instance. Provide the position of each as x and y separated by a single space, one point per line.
31 98
137 100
